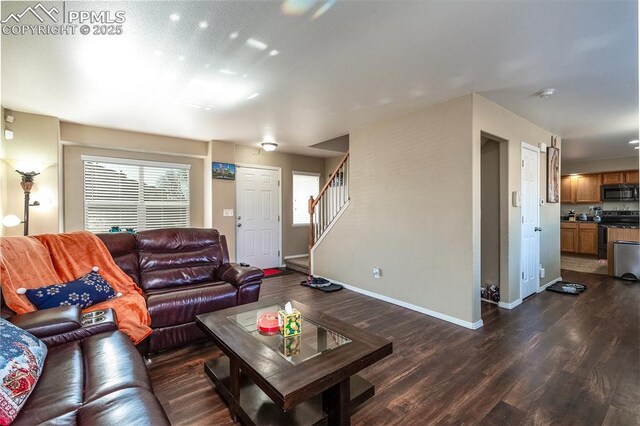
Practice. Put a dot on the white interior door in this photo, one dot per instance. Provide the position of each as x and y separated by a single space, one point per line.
258 217
530 255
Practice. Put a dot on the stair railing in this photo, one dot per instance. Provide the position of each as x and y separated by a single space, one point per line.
332 197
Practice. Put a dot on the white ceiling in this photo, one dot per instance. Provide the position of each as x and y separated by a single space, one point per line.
356 63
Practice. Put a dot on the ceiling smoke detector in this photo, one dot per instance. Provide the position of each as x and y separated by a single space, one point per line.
545 93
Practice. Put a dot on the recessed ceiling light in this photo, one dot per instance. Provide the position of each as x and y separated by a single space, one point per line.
274 52
256 44
233 35
203 24
174 17
545 93
253 95
228 72
634 141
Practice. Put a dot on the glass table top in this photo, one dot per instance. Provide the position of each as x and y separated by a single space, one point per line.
312 341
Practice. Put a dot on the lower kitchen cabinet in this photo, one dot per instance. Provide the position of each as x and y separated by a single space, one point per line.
579 238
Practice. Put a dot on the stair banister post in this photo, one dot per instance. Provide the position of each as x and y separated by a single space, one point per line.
311 236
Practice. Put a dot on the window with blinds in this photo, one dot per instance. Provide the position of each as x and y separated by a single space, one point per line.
305 185
134 194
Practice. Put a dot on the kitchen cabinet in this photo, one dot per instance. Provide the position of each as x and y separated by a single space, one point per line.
631 176
587 238
569 237
587 189
577 237
613 178
567 192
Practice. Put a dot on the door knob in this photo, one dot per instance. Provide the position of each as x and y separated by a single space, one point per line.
239 217
537 229
239 225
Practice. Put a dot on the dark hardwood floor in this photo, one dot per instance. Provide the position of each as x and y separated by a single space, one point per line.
556 359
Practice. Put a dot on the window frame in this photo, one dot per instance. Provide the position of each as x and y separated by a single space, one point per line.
293 174
140 204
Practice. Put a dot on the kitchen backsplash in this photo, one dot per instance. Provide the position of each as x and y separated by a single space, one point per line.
609 205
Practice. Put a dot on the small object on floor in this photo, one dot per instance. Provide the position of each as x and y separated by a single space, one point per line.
567 287
321 284
246 265
494 293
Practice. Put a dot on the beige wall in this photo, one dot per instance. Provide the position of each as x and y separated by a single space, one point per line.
35 145
597 166
79 139
410 211
490 213
295 239
493 119
224 195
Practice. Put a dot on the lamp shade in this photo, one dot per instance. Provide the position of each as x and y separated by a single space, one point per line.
11 220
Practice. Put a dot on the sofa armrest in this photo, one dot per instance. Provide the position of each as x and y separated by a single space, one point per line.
239 275
49 322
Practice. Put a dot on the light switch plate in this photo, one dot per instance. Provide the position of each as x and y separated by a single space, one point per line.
227 212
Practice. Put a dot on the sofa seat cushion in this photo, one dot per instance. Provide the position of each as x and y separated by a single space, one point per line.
131 406
112 363
82 373
176 306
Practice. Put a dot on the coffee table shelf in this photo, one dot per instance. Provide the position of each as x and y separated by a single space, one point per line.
255 407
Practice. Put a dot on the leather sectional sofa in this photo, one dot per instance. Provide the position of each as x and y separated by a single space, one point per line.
183 272
93 375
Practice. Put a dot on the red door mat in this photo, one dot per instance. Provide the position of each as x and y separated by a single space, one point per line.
274 272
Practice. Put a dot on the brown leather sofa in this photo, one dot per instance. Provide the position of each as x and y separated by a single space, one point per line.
183 272
93 375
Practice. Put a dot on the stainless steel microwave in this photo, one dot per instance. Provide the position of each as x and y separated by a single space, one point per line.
619 192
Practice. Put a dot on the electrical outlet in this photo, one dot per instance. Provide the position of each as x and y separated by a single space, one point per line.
542 272
227 212
377 272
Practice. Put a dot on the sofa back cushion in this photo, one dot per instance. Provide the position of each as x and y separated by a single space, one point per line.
179 256
122 247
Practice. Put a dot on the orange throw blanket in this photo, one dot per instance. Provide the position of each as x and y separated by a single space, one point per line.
42 260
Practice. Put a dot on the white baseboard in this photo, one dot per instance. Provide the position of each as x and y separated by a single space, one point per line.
511 305
295 256
543 287
473 326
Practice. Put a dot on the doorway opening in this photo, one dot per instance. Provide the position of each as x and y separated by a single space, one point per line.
493 222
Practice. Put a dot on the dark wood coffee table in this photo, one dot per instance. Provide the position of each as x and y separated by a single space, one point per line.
273 380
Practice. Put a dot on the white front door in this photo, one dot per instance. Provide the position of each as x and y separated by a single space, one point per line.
257 217
530 253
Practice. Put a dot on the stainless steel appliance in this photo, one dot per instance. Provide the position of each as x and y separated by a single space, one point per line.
626 258
618 219
628 192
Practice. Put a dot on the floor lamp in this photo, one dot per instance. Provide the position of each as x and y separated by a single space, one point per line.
27 183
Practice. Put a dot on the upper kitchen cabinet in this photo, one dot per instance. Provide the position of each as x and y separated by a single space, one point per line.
626 176
580 189
567 192
613 178
587 188
631 176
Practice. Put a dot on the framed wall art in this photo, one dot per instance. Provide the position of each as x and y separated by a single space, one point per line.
553 174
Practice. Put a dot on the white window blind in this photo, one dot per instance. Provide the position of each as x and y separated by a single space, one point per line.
305 185
134 194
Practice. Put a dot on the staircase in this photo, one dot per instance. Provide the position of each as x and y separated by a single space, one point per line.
332 200
300 264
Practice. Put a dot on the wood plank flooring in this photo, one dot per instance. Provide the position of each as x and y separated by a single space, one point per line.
556 359
583 263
